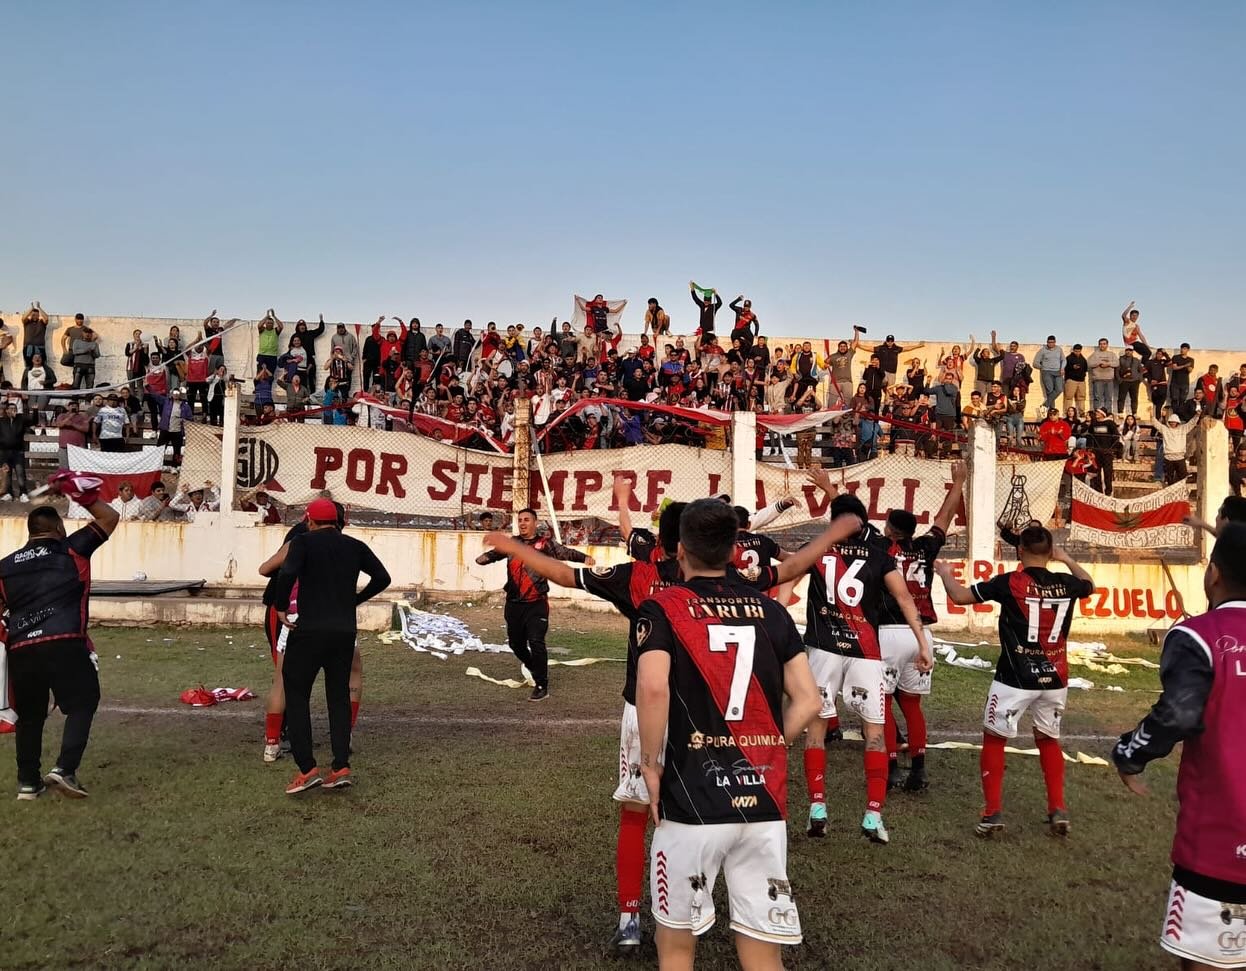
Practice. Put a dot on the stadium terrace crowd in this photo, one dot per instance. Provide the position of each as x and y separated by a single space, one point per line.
465 382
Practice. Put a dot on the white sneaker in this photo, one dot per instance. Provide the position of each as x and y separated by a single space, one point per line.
272 753
24 498
526 675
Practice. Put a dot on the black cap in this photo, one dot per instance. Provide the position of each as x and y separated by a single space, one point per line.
891 337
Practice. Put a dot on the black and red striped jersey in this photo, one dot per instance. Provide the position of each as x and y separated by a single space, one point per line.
1036 611
915 560
845 597
753 549
726 758
626 586
46 587
522 584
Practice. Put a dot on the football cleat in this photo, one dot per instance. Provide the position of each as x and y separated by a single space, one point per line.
895 775
817 820
627 937
873 829
988 826
1059 823
916 781
272 752
66 783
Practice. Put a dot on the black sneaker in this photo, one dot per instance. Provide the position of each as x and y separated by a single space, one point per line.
28 792
988 826
1059 823
895 775
539 693
66 783
916 781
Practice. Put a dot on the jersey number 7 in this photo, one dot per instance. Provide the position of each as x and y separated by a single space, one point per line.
744 640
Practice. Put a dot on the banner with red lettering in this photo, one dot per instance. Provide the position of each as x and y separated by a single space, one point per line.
1144 522
902 482
399 473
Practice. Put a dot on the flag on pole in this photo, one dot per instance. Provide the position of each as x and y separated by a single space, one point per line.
141 469
1145 522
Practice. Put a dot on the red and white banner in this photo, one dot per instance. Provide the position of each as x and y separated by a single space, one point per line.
1148 522
141 469
901 482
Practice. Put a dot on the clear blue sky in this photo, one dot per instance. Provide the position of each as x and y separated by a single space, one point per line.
922 168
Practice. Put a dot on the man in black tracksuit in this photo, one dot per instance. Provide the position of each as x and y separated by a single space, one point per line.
45 587
527 601
326 565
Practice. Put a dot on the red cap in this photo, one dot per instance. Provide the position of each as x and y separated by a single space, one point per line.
322 511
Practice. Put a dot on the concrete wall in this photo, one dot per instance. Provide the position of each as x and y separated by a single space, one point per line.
227 550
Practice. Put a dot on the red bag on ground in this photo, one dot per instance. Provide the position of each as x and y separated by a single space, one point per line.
199 697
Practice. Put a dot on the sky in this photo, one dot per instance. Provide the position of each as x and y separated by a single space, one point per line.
931 170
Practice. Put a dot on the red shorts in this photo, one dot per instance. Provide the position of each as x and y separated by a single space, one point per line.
272 628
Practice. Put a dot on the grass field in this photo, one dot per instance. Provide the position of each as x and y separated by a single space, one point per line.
481 834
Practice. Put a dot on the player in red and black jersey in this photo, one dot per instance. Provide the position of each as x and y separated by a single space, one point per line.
45 587
915 558
715 661
527 601
626 586
1036 610
844 609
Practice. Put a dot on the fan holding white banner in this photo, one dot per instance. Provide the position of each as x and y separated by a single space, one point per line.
141 469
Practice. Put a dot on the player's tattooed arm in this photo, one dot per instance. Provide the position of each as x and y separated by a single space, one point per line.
904 600
957 592
504 545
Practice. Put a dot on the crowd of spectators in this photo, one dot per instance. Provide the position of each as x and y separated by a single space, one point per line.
1091 410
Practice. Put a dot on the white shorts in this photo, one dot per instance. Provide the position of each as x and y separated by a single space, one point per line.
1203 929
631 786
1006 705
899 648
859 681
684 865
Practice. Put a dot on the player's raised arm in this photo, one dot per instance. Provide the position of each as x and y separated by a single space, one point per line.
956 591
622 499
842 527
560 552
1060 555
947 512
504 545
899 590
768 514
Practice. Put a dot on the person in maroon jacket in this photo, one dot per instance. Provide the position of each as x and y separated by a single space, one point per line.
1203 704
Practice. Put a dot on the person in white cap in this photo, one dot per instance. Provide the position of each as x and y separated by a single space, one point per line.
1173 435
174 413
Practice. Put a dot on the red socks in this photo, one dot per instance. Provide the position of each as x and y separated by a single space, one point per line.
889 730
915 719
1052 760
875 780
272 728
629 858
815 774
832 723
354 713
992 763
